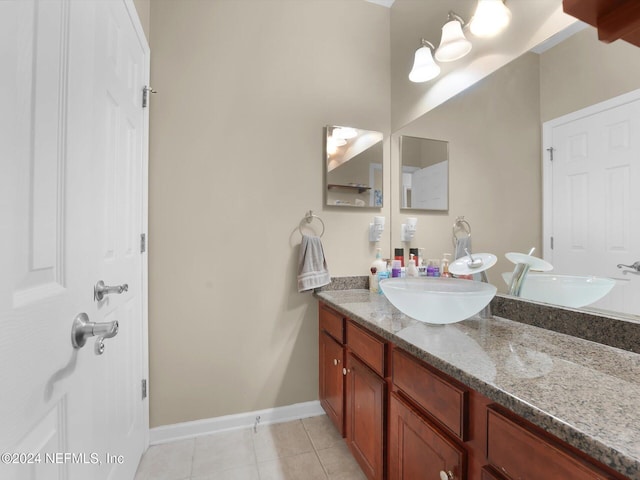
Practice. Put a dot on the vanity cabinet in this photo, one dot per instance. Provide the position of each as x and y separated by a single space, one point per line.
428 422
403 419
352 387
365 400
331 364
418 448
517 450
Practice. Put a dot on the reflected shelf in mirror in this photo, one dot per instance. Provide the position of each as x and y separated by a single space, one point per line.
353 167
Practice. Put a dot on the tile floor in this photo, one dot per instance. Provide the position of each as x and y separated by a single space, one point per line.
306 449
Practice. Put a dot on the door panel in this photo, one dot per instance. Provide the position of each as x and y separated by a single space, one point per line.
595 172
53 224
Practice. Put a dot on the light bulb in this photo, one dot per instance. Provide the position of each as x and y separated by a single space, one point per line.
491 18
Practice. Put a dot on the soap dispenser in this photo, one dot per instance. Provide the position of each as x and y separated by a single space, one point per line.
444 265
412 271
377 266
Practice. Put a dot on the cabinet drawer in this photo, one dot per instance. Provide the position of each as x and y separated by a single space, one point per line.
367 347
518 452
443 400
332 323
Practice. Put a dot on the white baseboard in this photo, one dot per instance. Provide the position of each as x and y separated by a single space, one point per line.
207 426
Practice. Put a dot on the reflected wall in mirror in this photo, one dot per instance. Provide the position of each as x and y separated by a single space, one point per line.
495 134
424 183
354 167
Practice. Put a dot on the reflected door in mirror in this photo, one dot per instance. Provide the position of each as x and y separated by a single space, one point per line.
425 173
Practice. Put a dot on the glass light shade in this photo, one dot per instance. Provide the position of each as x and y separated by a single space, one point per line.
491 18
333 144
344 133
453 44
424 68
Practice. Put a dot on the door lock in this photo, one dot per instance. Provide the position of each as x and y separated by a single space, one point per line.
100 290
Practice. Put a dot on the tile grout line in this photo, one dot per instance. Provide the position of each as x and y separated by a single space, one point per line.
193 457
315 450
255 453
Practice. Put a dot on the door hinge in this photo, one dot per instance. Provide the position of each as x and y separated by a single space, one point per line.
143 242
550 150
144 388
145 95
551 242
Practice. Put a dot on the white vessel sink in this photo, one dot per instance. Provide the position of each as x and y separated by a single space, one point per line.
568 290
437 300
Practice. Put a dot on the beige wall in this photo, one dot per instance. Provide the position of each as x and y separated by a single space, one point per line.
143 8
244 91
583 71
493 132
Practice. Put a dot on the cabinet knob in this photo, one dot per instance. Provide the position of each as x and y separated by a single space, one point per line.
336 361
344 371
448 475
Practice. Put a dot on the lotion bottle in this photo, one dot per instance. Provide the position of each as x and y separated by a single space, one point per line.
377 266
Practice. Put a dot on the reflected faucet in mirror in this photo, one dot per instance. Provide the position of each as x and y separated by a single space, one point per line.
580 201
353 167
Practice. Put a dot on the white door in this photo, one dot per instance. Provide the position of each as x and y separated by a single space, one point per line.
63 410
595 199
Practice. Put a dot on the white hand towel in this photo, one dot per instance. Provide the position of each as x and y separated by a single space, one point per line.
312 266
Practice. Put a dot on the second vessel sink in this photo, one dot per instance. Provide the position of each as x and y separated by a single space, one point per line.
567 290
437 300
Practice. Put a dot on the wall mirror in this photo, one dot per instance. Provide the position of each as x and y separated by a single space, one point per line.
424 183
495 132
353 167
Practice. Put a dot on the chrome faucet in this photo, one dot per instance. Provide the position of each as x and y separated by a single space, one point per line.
523 265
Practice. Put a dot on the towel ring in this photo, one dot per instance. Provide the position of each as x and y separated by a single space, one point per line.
308 218
460 226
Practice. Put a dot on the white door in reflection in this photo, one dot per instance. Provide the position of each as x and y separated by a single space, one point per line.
592 196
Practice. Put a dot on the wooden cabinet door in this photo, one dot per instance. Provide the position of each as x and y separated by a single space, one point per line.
365 417
331 378
417 449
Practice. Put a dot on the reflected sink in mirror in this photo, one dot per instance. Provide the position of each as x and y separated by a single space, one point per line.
437 300
566 290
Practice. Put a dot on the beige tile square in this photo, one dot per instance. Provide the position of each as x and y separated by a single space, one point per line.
305 466
170 461
223 451
248 472
322 432
340 464
281 440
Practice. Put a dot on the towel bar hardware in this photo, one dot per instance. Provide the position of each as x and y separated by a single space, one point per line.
460 226
308 218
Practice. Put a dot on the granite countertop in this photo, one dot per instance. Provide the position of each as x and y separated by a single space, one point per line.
585 393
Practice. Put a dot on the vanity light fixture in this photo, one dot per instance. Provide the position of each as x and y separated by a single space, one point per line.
453 44
424 67
491 18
